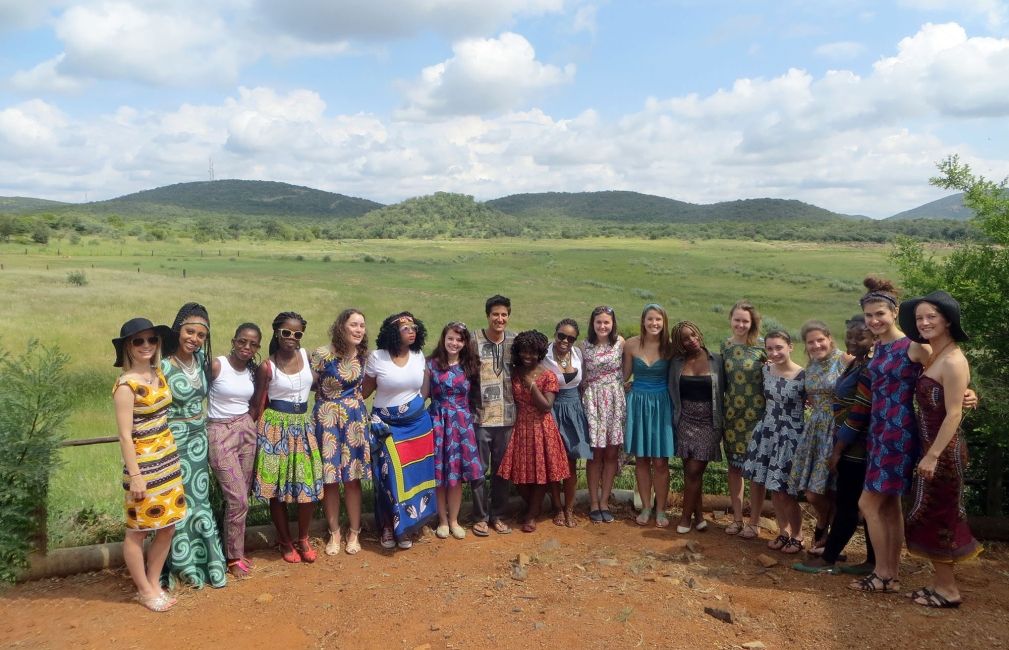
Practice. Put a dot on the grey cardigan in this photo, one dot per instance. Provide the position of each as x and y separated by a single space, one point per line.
717 386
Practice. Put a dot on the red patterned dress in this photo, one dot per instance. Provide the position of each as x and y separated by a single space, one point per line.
535 453
936 526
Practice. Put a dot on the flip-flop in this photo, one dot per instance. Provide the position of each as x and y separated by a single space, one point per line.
805 568
480 529
501 528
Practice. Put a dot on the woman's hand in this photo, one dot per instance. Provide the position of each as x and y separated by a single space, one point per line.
138 487
926 466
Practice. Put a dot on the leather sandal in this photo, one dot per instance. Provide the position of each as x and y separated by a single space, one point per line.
353 546
306 551
333 543
290 555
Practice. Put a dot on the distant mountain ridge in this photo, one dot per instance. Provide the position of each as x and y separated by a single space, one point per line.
636 207
19 204
948 207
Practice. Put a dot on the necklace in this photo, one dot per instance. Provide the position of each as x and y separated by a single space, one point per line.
191 371
932 358
564 362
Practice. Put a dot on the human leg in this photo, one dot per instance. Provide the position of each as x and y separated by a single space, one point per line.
498 507
594 478
481 487
850 478
133 554
331 510
736 492
611 461
643 476
822 506
352 495
693 472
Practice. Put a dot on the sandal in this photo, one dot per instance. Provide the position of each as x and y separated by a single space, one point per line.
305 550
661 520
869 583
289 554
353 546
160 602
239 569
793 546
701 525
529 527
559 518
734 528
749 531
388 540
500 527
778 542
919 593
480 529
569 519
643 517
934 599
333 543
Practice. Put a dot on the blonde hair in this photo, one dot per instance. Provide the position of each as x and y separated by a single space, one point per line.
753 333
128 356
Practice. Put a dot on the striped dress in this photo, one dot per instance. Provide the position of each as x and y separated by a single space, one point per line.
165 502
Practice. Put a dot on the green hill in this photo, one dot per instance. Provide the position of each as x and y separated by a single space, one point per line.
23 204
242 197
436 216
949 207
634 207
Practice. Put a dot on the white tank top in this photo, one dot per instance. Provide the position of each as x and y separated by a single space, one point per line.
291 388
230 392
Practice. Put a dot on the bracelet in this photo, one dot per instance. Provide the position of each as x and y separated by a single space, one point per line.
135 475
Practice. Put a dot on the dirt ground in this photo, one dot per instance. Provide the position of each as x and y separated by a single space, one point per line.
594 586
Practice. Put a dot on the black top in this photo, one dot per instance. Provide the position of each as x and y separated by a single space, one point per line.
695 388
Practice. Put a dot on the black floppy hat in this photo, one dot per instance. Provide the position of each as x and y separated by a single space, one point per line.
135 326
947 306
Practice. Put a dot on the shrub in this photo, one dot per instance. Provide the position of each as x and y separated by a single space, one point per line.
77 278
644 294
31 416
40 234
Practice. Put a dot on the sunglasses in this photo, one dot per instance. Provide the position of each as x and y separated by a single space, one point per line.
408 328
288 334
140 340
245 343
566 337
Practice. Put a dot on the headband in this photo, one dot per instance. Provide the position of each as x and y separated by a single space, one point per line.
195 322
874 296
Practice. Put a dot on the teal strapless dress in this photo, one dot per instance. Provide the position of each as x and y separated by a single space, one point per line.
649 431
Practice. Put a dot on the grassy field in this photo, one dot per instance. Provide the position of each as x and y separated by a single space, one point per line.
437 280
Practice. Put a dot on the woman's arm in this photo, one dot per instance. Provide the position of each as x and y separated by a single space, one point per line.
260 392
123 400
215 368
954 377
544 401
425 388
628 362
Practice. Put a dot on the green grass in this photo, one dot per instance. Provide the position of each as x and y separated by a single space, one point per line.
439 281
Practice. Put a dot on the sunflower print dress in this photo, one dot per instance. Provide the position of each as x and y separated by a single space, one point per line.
744 397
341 418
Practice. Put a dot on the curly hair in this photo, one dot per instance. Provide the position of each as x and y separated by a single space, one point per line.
282 318
388 338
171 344
338 334
253 363
665 351
528 340
592 336
677 336
880 290
469 360
754 332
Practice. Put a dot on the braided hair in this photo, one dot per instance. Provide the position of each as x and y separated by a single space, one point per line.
171 344
677 335
567 321
253 363
282 318
388 335
528 340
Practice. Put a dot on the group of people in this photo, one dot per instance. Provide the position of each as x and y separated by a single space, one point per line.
525 409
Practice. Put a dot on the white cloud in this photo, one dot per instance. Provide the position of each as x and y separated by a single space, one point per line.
325 20
585 19
46 77
995 12
848 142
840 50
484 75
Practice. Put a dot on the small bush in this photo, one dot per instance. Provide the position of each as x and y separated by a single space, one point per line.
77 278
718 309
299 258
327 258
644 294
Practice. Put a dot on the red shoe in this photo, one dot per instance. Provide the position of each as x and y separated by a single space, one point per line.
305 550
290 555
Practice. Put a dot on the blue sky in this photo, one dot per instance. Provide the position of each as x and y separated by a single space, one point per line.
844 104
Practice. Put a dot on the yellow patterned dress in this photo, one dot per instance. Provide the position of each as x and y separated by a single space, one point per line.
744 397
165 502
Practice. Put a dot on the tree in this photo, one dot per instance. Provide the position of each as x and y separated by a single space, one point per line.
8 227
977 275
40 233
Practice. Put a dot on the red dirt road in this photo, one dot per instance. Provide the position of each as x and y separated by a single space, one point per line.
595 586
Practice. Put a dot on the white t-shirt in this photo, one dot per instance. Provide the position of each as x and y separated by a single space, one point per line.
395 385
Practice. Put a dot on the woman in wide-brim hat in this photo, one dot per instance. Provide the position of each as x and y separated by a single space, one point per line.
152 476
936 525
